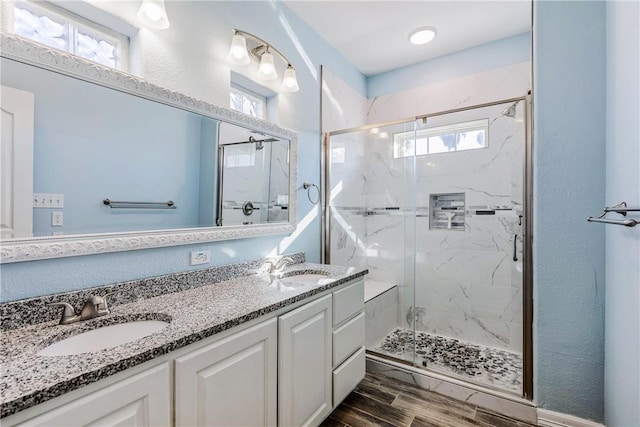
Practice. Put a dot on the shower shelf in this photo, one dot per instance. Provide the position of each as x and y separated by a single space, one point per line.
447 211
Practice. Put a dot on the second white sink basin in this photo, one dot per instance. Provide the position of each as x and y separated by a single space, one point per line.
313 277
103 337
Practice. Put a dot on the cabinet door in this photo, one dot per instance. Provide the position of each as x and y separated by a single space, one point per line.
142 400
231 382
304 364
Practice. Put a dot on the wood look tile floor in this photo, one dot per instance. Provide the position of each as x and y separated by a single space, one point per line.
385 402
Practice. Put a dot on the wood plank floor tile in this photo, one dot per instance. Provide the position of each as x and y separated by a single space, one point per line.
375 391
436 413
332 422
489 419
434 421
427 396
371 405
383 411
352 417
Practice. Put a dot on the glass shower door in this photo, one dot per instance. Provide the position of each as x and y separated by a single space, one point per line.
469 275
370 212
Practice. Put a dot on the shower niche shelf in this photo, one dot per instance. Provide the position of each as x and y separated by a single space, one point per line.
447 211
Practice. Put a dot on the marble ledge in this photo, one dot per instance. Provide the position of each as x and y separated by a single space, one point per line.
29 379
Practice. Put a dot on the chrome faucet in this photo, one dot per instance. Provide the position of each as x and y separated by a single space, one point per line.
95 306
277 264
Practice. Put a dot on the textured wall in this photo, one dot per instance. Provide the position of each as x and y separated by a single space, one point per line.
568 252
622 332
190 57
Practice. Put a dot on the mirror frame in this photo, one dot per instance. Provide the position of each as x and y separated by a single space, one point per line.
37 248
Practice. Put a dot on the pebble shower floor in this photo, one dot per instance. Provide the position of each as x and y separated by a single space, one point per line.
487 365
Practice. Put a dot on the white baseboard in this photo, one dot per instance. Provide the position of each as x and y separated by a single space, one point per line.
548 418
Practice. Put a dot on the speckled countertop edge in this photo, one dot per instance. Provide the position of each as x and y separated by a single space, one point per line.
28 379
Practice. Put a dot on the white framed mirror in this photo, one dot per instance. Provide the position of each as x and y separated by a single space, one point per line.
118 163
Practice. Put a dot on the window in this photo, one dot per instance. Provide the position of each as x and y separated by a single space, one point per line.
442 139
57 28
248 102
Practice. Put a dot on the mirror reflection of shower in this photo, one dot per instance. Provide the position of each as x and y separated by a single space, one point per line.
253 178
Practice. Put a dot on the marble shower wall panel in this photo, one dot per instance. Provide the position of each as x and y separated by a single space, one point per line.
386 177
348 238
342 106
501 83
349 174
385 247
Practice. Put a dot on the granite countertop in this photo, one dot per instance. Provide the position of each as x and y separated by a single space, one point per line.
28 379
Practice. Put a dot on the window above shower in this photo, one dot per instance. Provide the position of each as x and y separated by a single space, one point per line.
469 135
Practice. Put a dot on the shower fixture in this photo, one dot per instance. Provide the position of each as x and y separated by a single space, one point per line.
252 140
510 111
259 142
260 51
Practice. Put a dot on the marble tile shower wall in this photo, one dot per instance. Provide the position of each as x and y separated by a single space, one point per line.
467 284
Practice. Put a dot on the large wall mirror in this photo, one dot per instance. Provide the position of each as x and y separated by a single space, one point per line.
96 160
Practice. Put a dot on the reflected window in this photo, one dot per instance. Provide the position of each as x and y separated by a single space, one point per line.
442 139
247 102
60 29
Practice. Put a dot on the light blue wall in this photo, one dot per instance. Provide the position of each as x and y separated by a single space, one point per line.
477 59
622 330
569 177
299 112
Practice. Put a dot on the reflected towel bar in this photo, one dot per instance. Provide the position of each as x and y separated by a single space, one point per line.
620 208
113 204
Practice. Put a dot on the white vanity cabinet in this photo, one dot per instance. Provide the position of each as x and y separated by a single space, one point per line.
143 399
287 368
231 382
304 368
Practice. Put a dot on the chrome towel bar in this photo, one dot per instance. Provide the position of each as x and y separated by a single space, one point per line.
620 208
139 205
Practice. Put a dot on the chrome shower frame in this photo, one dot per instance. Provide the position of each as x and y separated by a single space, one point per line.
527 280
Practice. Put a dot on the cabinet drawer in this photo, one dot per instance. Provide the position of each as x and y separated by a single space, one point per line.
347 339
347 302
347 376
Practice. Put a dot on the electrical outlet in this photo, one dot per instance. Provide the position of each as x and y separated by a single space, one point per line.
200 257
58 233
56 219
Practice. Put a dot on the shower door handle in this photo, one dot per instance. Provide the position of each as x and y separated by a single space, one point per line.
515 247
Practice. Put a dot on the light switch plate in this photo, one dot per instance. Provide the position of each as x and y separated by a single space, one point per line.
46 200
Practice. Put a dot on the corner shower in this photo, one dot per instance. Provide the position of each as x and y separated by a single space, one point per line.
437 208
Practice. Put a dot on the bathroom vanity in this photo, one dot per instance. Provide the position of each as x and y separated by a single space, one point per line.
252 350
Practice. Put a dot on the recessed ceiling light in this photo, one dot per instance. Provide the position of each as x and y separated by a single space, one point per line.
422 35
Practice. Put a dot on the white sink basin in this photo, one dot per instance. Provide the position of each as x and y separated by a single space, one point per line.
303 278
103 337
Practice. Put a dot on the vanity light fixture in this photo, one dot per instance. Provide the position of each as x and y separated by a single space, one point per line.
246 47
422 35
153 14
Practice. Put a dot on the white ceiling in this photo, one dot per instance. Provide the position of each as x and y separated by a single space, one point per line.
373 34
